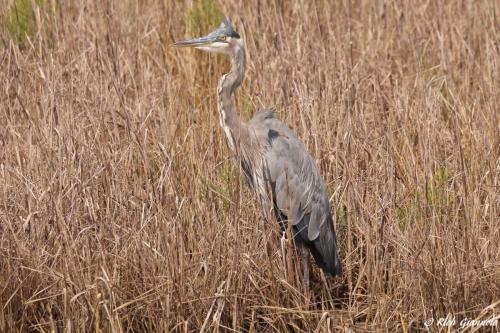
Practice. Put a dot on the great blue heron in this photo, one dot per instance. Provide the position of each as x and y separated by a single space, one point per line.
275 163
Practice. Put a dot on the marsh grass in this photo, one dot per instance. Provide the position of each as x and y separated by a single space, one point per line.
20 20
121 209
202 16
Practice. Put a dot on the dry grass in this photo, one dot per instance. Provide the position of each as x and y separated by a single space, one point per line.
121 209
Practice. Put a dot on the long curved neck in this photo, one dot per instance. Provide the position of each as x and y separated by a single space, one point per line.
228 83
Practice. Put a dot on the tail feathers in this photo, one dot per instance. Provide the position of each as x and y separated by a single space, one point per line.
328 261
325 252
323 248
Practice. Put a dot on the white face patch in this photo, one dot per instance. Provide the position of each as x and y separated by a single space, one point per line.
216 47
219 45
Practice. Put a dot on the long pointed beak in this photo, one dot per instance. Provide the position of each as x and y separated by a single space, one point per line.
194 42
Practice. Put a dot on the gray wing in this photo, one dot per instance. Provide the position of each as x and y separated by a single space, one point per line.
299 194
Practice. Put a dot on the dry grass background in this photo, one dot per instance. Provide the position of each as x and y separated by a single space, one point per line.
122 211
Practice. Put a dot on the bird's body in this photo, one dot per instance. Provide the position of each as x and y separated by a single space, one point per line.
288 184
275 162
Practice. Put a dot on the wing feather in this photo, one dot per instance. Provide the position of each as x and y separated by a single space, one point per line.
298 188
298 191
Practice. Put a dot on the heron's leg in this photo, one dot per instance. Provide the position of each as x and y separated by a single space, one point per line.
305 267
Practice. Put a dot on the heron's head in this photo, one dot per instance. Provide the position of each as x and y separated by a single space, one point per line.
221 40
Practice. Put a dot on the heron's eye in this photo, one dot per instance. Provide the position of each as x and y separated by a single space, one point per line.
223 38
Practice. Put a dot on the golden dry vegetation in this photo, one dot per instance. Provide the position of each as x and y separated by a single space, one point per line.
121 209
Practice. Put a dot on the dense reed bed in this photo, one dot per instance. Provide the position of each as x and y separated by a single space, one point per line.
121 209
